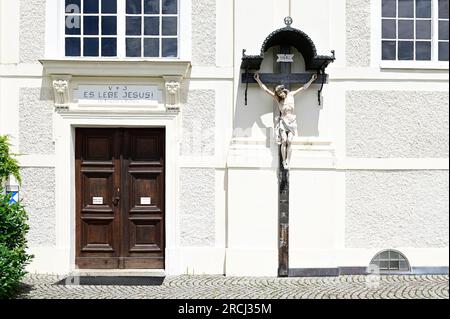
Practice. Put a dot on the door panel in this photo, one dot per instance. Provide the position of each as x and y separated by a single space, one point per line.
143 173
98 169
145 235
97 234
120 198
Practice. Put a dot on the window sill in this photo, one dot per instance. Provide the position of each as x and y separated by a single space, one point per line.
414 65
116 68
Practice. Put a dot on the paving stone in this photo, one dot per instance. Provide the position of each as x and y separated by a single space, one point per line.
220 287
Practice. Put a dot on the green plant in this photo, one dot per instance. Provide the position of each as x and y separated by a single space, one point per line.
12 262
8 164
13 228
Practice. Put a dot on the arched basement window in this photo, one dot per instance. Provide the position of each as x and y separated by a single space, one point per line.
388 262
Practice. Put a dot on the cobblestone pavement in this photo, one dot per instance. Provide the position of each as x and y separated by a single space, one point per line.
193 287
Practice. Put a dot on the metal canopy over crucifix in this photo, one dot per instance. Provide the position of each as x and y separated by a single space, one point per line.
286 38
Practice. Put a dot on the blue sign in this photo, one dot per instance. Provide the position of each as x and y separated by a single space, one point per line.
14 198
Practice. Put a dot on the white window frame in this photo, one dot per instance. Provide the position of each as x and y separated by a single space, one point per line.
410 64
55 33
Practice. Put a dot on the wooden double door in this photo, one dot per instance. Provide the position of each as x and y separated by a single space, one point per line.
120 198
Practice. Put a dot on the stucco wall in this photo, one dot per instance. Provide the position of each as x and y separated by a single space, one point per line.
204 32
38 194
199 124
358 33
388 209
32 30
197 212
35 123
397 124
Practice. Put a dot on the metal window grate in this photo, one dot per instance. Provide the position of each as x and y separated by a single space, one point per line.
390 261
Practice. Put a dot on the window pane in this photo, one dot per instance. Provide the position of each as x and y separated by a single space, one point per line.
405 29
75 2
394 265
134 7
90 47
443 9
169 48
384 255
134 26
73 25
388 50
384 265
73 47
169 26
374 266
405 50
389 8
109 47
389 29
423 29
443 30
151 25
109 6
393 255
423 50
403 266
133 47
151 48
443 51
423 8
169 6
90 25
405 8
73 6
90 6
151 6
109 25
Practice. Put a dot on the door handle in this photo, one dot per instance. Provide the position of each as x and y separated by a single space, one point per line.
116 198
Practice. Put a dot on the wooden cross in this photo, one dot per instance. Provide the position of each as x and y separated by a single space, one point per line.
286 78
283 187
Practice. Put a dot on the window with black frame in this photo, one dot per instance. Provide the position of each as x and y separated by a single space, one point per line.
414 30
122 28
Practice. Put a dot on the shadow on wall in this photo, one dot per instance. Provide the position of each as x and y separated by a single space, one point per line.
256 119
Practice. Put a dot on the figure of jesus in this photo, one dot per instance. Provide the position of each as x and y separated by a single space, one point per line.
286 123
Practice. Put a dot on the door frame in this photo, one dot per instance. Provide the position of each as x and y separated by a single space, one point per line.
64 136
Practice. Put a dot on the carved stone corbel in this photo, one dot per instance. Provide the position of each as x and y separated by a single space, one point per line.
173 88
61 89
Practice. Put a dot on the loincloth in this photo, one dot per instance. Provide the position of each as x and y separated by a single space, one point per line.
285 125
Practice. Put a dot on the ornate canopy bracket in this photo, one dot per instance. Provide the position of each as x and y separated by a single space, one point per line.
173 93
294 38
61 92
290 37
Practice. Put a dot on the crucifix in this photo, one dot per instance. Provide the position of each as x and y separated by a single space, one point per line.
286 126
285 130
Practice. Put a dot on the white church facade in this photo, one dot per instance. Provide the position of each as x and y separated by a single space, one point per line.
141 147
